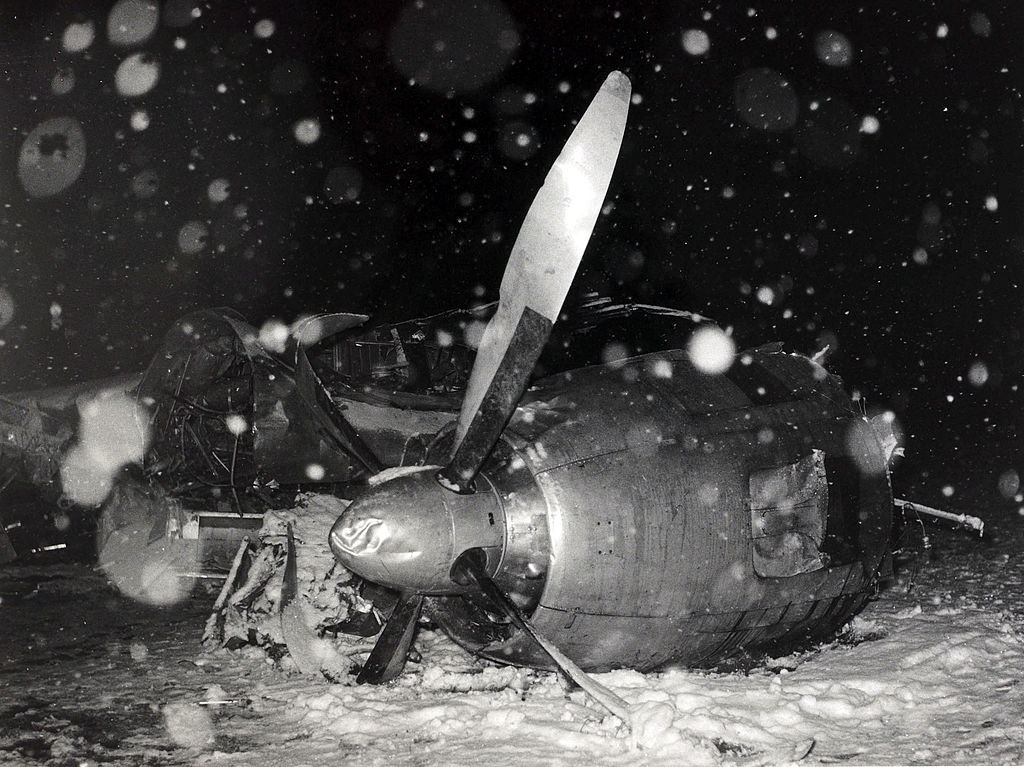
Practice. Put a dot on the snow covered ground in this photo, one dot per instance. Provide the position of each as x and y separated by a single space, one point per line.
929 675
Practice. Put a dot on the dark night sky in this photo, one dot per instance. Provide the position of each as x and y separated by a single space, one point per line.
901 247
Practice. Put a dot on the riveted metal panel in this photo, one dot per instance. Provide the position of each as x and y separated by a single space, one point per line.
642 471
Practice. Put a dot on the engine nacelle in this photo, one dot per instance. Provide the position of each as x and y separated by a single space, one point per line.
655 514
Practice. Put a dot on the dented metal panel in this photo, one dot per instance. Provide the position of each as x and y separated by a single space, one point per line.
649 513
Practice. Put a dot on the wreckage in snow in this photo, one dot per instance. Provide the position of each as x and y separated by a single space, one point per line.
631 513
655 510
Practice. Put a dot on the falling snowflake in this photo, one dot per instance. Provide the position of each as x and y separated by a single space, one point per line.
711 350
833 48
696 42
307 131
132 21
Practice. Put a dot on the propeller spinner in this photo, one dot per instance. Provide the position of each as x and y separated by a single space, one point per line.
411 531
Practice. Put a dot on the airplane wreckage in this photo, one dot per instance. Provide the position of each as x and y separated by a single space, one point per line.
626 514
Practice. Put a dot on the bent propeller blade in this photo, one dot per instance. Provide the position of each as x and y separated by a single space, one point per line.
540 271
469 567
387 659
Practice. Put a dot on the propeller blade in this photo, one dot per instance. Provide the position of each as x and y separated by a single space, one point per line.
470 568
387 659
540 271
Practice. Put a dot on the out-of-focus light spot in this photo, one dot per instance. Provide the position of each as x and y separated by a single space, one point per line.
189 725
264 28
981 25
862 445
83 479
306 330
449 46
218 190
941 31
977 374
920 256
765 99
137 75
991 203
315 472
661 368
474 333
132 21
728 192
144 184
180 43
766 295
696 42
274 335
236 424
343 184
870 124
807 245
564 87
77 37
6 307
444 339
771 33
708 494
63 82
614 354
469 137
140 120
113 431
518 141
1009 484
52 157
145 572
56 318
307 131
138 651
711 350
833 48
948 491
192 237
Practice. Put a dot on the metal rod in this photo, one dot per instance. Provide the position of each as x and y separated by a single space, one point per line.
964 520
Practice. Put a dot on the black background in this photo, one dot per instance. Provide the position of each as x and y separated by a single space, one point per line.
824 214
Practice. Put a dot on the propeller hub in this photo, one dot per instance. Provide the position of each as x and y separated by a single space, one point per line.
406 533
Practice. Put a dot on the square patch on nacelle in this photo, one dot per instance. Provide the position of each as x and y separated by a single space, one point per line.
788 511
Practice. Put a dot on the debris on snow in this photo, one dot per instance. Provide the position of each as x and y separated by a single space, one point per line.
310 628
961 520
